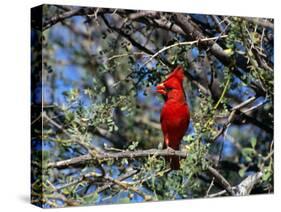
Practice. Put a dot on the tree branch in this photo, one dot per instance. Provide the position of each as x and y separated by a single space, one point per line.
120 178
167 25
261 22
144 13
231 116
60 17
133 41
129 188
191 31
244 188
182 44
184 25
115 155
221 180
135 154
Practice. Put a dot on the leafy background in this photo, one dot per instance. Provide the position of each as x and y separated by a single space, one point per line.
96 80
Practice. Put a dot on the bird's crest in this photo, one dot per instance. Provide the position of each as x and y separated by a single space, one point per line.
178 73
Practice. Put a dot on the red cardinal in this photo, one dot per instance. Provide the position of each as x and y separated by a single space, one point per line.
175 113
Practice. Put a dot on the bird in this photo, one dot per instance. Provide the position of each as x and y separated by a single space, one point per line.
175 116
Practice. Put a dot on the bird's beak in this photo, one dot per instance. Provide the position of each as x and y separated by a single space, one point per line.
161 89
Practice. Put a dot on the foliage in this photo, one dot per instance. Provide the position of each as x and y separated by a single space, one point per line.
98 94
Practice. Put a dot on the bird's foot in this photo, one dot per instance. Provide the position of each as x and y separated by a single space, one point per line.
169 149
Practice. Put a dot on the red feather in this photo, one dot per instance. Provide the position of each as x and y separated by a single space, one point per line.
175 113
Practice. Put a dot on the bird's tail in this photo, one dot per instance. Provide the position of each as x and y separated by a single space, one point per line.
174 162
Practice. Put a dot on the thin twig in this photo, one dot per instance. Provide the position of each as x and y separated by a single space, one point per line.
181 44
255 106
129 188
126 55
120 178
243 104
210 187
223 92
76 181
51 121
232 115
229 120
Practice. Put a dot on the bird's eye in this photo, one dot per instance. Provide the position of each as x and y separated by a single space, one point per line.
168 89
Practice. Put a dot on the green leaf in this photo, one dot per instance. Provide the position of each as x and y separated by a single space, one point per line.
103 89
248 159
266 176
242 171
110 129
123 108
91 198
253 142
247 151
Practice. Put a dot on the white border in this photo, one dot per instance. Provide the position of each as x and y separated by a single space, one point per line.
14 87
